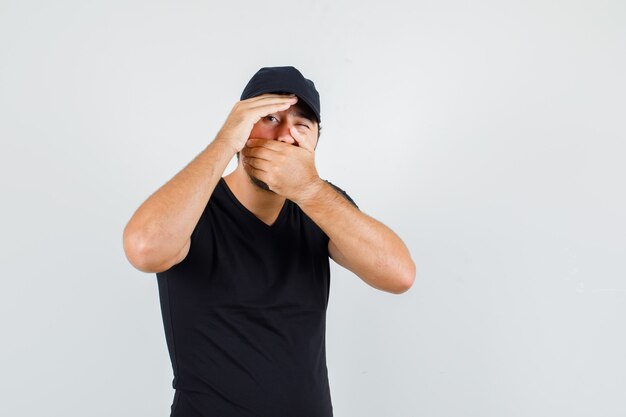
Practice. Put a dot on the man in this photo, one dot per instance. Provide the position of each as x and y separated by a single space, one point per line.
242 260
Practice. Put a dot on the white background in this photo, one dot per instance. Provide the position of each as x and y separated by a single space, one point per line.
490 135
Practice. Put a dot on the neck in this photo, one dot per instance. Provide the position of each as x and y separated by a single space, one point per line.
264 204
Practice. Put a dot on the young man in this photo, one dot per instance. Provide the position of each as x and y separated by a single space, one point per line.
242 261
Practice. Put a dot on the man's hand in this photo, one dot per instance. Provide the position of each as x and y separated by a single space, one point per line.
245 113
287 169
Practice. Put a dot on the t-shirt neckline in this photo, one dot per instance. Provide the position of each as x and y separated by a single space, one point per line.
279 219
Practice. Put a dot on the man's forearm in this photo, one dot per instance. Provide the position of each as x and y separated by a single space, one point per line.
161 226
374 252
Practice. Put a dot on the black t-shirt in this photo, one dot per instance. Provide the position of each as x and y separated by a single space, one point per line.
245 312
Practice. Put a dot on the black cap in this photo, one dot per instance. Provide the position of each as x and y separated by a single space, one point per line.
283 80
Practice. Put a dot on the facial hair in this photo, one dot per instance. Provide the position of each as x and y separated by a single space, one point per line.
260 184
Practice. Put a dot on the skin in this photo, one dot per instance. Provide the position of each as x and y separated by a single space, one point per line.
157 236
297 138
277 163
280 155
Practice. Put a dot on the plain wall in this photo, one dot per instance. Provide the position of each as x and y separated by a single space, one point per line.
489 135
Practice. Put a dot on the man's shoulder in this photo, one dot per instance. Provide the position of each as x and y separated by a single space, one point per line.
342 192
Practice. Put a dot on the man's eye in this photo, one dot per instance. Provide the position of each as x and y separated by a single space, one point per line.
271 118
302 124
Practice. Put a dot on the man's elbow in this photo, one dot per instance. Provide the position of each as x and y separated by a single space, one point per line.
407 278
141 255
135 250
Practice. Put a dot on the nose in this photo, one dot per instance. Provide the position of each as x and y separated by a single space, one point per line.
284 135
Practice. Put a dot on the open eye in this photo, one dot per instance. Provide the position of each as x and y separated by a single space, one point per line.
271 118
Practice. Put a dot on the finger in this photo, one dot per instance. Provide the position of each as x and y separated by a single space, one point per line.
257 163
266 96
270 100
271 144
262 111
258 152
254 172
285 103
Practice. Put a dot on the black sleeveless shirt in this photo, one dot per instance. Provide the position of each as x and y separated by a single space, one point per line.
245 312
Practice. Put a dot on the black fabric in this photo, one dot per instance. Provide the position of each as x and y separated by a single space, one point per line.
245 314
287 80
342 192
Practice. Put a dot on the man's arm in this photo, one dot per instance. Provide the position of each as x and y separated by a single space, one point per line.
357 241
158 235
